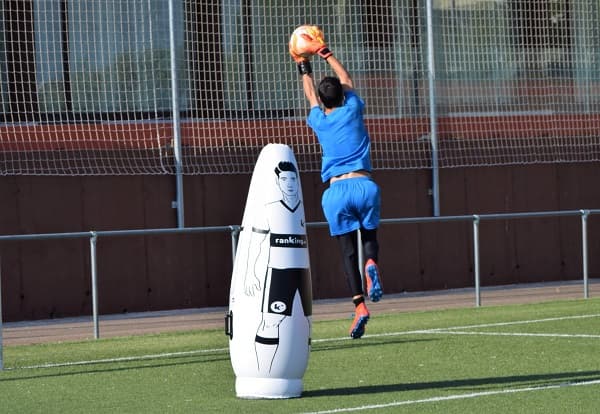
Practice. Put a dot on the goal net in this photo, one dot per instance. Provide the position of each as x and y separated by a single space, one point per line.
86 86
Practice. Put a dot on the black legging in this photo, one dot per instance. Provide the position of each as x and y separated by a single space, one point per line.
349 247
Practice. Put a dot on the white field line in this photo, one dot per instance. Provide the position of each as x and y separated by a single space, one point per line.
123 359
456 397
560 318
543 335
447 330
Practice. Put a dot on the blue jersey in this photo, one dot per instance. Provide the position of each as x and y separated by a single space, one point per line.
343 137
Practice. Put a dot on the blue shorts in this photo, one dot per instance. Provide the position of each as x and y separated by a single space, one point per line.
351 204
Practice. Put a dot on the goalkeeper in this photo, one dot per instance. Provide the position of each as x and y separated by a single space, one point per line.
352 201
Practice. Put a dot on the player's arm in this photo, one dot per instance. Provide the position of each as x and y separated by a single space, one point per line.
308 83
317 46
313 44
341 72
310 91
251 279
338 68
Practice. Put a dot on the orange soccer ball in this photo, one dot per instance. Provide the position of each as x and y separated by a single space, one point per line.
302 46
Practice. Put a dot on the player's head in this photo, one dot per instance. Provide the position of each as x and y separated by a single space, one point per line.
285 166
331 92
287 178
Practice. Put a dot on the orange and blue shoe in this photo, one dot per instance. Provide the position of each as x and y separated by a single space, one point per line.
361 317
374 288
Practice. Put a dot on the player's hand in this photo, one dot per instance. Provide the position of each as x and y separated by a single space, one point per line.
297 58
251 285
316 44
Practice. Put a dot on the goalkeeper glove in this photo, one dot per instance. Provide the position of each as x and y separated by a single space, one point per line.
297 58
317 46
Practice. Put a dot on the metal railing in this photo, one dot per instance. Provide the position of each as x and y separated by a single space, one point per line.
93 240
476 219
234 231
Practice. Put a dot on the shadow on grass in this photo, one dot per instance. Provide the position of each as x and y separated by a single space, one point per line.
464 384
103 366
135 364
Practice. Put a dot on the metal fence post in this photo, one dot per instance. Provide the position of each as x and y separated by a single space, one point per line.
476 221
235 236
584 248
176 118
94 271
435 185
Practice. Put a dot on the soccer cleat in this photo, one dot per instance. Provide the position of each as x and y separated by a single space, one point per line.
361 317
372 275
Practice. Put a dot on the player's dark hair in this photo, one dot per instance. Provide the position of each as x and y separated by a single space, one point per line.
331 92
285 166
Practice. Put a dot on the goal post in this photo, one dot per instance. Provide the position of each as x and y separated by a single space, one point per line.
86 87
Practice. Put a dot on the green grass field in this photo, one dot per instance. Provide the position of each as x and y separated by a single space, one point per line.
540 358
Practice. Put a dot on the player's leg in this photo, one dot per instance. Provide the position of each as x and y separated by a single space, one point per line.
370 206
372 273
267 340
343 222
267 334
348 243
